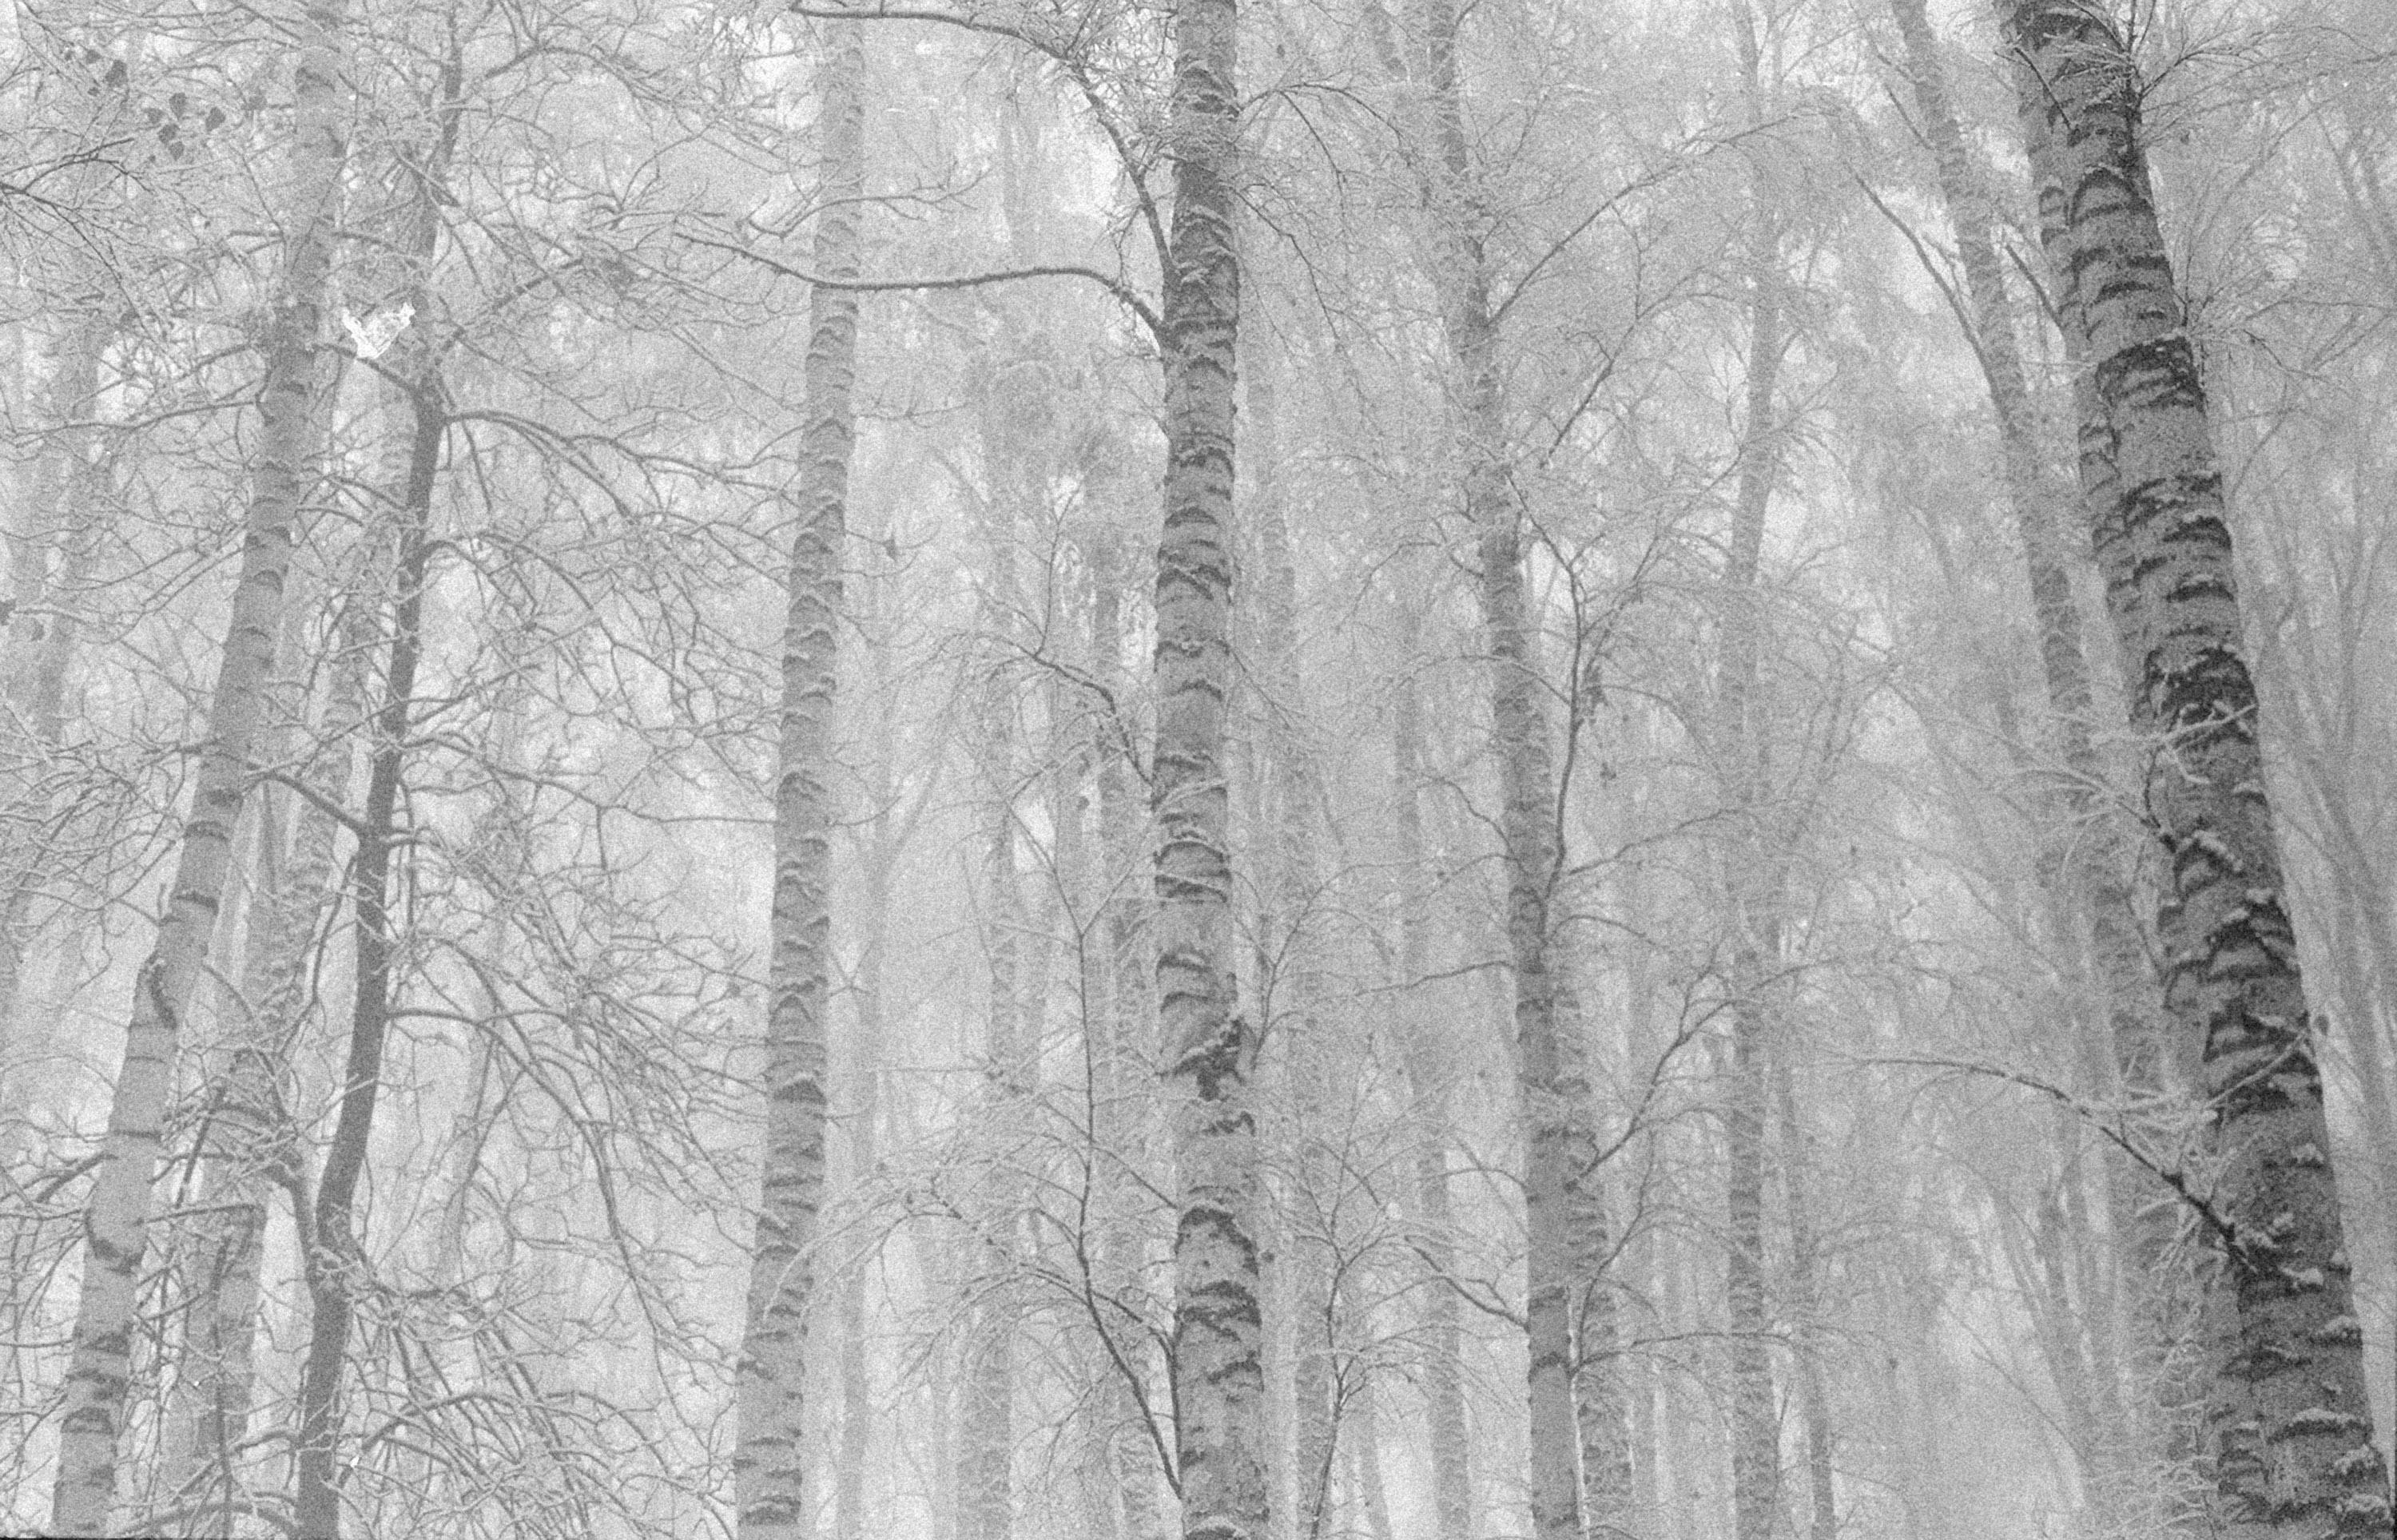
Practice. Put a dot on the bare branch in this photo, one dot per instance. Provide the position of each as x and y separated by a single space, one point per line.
1123 292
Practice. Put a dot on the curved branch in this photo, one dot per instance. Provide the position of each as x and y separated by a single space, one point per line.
1123 293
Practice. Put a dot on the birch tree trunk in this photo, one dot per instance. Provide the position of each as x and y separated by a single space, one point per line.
252 1146
1128 1057
1217 1345
2287 1419
115 1240
987 1434
1751 885
771 1460
2086 862
1551 1085
857 1419
1452 1474
1287 794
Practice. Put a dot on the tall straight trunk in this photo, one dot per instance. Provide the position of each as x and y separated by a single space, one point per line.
864 1074
1600 1406
1288 792
857 1420
770 1458
1550 1081
1813 1396
1364 1446
115 1240
1125 1047
332 1262
1751 885
1443 1371
985 1506
1218 1335
2286 1414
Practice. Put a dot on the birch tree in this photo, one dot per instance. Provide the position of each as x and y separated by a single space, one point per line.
115 1241
1218 1334
2287 1418
772 1462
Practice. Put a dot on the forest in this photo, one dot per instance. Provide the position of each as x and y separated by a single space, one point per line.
1108 769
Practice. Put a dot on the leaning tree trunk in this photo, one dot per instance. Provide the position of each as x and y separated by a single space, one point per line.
2286 1414
770 1461
99 1372
2086 863
1217 1359
250 1147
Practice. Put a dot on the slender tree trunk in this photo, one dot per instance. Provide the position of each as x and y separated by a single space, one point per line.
1814 1398
857 1420
1551 1086
1599 1406
2286 1414
1364 1443
986 1503
1443 1371
772 1460
858 1425
333 1262
1126 1055
252 1145
1217 1364
97 1377
2085 861
1288 793
1752 884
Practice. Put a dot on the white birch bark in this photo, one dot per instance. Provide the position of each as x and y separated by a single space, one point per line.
1217 1366
115 1245
2288 1422
772 1463
1551 1085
